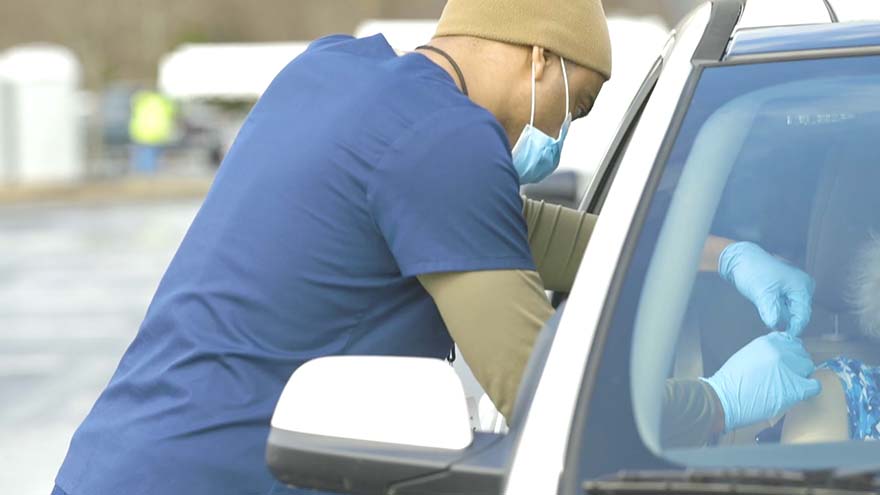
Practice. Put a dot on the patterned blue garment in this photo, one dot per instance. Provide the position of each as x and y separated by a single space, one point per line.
861 386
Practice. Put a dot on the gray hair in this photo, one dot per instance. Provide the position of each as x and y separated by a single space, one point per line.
865 287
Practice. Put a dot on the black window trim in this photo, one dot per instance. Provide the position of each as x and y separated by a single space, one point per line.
604 177
716 39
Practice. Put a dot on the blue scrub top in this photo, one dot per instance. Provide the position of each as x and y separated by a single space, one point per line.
356 171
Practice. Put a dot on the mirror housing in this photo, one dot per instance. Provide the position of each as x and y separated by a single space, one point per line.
361 424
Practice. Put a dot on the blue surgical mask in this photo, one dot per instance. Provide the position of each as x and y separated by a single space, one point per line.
535 154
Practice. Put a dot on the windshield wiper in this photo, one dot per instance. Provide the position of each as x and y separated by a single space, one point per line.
740 481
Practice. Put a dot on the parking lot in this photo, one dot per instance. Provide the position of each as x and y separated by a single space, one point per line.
75 282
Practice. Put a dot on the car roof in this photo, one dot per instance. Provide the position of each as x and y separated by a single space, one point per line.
804 37
768 13
770 26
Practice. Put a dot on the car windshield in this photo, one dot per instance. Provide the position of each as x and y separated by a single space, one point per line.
783 155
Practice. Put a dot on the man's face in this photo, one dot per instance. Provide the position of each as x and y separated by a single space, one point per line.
583 85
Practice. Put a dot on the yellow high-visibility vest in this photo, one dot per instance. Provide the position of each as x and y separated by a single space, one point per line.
152 118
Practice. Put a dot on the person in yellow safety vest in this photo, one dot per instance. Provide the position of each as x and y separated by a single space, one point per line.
151 128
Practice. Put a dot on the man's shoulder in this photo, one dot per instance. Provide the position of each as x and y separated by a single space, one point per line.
372 46
454 144
463 127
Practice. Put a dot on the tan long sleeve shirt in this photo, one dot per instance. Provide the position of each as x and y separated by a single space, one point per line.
495 316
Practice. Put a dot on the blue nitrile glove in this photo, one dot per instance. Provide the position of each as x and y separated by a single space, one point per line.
764 379
782 293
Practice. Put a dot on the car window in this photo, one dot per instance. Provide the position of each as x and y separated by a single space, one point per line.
782 155
597 191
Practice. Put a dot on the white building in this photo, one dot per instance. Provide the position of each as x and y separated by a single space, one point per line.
41 129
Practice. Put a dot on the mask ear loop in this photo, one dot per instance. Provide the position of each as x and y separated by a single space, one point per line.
564 78
532 118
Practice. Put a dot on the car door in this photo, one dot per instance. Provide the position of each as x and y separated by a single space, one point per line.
484 416
616 195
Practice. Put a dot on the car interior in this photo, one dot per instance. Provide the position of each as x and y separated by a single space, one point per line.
813 201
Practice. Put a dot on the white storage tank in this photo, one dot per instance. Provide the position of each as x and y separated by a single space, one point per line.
41 133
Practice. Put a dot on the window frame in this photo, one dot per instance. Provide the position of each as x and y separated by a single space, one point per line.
541 455
596 193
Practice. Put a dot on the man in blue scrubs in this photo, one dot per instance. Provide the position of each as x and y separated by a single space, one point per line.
357 171
364 189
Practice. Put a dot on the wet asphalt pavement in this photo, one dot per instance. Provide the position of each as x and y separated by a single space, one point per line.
75 282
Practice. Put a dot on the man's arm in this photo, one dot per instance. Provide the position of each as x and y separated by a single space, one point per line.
558 237
712 250
692 415
494 318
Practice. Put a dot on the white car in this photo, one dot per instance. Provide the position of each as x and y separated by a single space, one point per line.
759 122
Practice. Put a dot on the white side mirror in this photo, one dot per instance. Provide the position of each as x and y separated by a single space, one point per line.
406 401
359 424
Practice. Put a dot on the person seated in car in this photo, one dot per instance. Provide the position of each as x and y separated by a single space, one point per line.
760 381
763 379
849 405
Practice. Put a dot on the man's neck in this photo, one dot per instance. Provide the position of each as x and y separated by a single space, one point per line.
478 76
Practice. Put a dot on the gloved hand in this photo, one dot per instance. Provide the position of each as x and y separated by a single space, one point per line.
782 293
764 379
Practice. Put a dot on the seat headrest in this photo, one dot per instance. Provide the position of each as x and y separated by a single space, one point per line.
865 291
846 212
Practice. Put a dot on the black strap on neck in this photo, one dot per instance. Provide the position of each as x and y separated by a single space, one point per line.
451 61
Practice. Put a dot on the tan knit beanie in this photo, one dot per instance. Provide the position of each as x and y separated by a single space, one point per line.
573 29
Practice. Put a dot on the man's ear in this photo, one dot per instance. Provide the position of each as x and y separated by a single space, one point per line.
540 61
